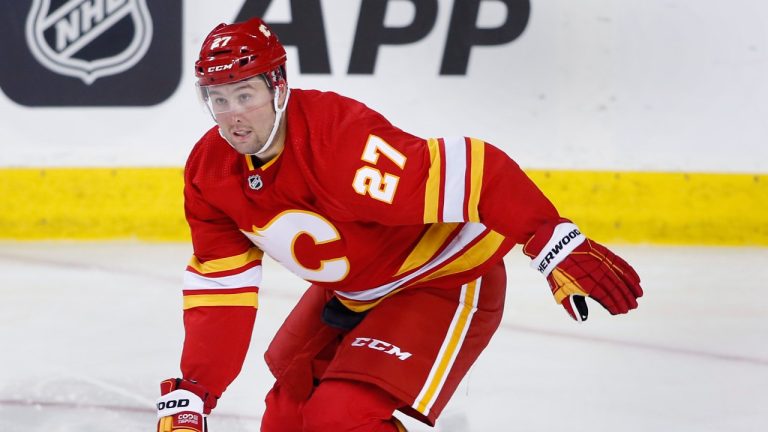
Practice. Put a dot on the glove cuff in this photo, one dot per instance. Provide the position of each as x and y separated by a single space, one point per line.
179 401
174 384
563 238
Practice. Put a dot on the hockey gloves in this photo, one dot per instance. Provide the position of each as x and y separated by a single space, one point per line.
182 406
577 267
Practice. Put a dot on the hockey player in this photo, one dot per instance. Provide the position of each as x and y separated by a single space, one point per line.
401 239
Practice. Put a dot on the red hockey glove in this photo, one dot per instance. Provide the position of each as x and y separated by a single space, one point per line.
182 406
576 267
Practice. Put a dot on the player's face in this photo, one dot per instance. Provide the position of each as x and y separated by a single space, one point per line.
244 112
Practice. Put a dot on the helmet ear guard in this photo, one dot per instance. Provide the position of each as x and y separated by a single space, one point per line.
276 77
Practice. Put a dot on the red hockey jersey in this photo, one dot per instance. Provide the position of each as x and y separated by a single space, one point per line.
353 204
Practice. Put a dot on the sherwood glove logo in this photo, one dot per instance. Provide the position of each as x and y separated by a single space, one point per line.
557 248
90 52
173 403
565 238
66 40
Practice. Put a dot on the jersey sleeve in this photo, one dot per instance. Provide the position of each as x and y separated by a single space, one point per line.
220 295
473 181
385 175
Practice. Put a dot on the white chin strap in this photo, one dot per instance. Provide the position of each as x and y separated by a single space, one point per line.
278 116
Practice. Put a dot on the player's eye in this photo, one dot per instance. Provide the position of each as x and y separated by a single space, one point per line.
220 101
245 97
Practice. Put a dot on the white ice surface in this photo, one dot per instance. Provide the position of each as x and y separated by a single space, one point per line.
87 330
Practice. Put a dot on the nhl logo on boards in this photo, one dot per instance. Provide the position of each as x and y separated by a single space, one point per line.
88 39
90 52
254 182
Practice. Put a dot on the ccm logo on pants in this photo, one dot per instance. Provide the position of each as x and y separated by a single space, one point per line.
378 345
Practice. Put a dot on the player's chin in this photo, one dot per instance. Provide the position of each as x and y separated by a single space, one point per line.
246 150
246 146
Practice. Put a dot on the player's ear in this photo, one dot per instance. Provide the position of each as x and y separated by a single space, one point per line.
282 87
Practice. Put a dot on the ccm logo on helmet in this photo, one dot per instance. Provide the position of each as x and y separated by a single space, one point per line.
220 68
180 403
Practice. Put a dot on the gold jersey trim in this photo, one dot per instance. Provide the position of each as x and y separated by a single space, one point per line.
250 299
228 263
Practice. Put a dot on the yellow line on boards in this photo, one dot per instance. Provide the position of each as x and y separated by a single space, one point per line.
92 204
662 208
618 207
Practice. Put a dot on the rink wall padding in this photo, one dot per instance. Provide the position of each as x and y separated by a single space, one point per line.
614 207
92 204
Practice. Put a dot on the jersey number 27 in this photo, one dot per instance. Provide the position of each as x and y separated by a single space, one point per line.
370 180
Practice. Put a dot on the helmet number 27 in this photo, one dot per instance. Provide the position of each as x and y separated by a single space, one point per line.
220 42
370 180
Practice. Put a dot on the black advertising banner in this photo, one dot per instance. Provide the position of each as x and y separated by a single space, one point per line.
90 52
306 31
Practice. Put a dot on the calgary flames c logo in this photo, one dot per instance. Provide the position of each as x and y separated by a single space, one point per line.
278 239
89 39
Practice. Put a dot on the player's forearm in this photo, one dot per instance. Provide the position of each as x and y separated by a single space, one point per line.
510 203
215 345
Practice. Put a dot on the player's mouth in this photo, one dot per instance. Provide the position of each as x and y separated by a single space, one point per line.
241 134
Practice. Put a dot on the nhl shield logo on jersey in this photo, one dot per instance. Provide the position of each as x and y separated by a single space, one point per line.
88 39
255 182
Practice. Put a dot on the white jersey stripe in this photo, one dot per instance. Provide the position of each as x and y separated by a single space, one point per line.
468 233
449 350
455 179
248 278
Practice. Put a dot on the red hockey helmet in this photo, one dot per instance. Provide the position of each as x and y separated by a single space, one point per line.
234 52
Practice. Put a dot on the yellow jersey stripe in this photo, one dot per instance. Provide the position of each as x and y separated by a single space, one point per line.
273 160
224 264
469 234
476 255
432 196
477 153
362 305
240 299
428 245
450 348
